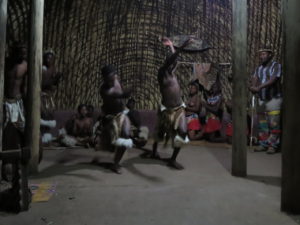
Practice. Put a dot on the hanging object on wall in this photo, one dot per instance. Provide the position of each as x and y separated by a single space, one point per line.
198 45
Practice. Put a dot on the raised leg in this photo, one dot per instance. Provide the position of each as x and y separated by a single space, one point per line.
179 140
124 143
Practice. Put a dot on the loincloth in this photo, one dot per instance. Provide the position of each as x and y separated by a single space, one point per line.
47 103
168 123
112 130
14 113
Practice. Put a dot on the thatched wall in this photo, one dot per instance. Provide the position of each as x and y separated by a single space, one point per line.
86 34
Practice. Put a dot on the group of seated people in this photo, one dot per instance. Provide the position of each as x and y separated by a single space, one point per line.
82 129
208 115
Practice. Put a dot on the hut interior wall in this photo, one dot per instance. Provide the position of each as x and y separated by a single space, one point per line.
87 34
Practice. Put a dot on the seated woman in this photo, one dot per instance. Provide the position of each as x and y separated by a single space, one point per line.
213 114
193 106
78 130
227 126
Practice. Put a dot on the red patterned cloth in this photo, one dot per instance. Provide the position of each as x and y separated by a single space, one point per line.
229 129
194 125
193 122
212 124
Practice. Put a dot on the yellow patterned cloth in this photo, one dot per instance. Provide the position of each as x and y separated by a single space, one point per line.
14 112
113 124
47 102
168 122
274 113
42 192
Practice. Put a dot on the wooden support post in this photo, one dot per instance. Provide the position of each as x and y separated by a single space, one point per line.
34 85
239 98
3 19
290 195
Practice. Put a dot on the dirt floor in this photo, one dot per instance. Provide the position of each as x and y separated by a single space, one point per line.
83 191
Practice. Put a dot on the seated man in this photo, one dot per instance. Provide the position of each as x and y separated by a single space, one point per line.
78 130
195 131
139 134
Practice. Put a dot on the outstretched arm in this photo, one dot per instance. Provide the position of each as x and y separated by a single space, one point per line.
171 60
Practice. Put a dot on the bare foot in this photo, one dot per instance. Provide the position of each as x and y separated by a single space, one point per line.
116 168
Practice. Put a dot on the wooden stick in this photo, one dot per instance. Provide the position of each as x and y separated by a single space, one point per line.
239 53
290 195
3 20
35 72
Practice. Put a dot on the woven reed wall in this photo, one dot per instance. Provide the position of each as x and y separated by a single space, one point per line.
87 34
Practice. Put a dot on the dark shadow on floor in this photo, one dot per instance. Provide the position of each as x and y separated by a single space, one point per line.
68 170
223 156
144 158
67 163
296 218
269 180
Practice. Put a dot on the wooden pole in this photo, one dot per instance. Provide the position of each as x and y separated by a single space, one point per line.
290 195
3 19
239 98
35 72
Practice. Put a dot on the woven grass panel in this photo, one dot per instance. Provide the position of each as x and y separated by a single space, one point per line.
87 34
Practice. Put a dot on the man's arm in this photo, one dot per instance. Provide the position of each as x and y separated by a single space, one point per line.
171 60
274 77
24 84
253 86
108 93
91 125
270 82
254 82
